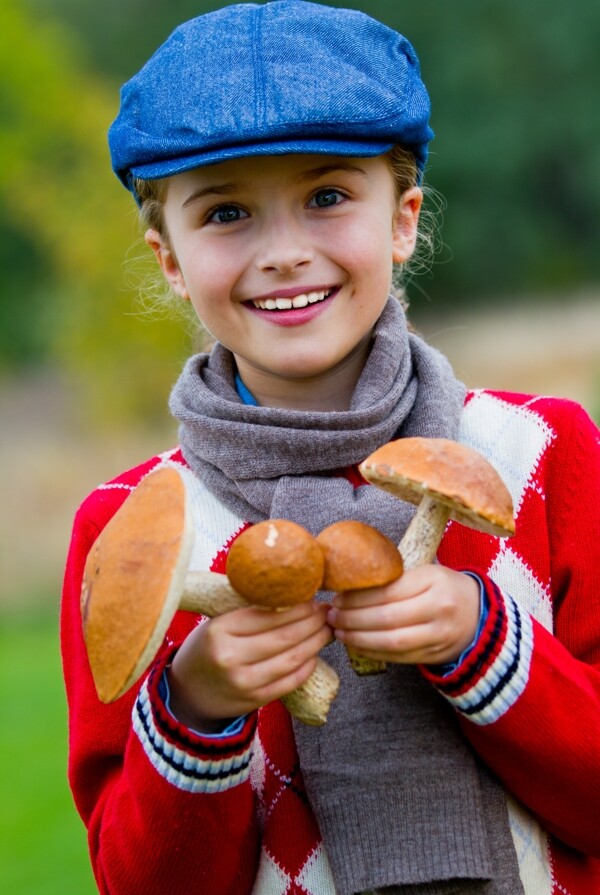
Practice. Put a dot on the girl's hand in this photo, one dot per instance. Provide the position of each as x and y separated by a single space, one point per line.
428 616
230 665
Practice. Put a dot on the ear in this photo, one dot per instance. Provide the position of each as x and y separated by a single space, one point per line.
167 262
405 224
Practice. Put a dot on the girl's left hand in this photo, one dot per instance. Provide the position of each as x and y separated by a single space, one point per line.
428 616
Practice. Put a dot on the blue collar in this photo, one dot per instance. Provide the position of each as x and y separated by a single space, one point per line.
244 393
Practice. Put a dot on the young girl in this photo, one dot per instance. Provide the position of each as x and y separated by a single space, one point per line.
276 152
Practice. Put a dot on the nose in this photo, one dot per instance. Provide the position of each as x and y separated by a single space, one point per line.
284 246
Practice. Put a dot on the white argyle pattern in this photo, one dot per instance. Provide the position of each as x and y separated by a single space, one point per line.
316 875
512 438
531 846
513 577
214 524
314 879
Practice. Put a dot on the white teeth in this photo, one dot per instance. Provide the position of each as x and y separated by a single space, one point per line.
284 304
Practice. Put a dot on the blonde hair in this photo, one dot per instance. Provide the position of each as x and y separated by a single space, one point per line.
151 197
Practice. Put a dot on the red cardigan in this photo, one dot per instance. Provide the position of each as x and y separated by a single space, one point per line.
169 811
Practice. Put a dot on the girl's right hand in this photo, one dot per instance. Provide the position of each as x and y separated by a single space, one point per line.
231 665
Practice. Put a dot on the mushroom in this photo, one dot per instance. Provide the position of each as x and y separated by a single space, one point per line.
275 563
136 578
447 480
358 556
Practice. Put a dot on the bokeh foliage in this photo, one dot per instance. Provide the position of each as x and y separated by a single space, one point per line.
516 156
65 296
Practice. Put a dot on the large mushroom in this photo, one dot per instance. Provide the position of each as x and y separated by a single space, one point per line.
447 480
136 578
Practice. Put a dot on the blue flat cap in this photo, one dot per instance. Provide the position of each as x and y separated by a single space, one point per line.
288 76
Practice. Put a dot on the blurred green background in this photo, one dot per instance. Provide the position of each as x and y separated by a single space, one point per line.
513 298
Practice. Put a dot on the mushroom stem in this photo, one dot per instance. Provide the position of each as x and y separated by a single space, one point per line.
422 537
311 701
211 594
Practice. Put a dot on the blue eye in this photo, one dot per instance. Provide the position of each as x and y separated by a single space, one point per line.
226 214
326 198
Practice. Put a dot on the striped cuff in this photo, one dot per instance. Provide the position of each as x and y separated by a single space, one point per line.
164 692
188 760
494 674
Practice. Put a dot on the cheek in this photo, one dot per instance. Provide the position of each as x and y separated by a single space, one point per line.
373 262
208 271
364 247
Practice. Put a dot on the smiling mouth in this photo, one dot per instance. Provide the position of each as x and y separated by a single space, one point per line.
298 301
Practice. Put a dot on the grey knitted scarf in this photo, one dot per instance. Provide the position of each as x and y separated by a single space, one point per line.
401 801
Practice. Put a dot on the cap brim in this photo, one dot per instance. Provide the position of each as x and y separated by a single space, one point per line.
320 146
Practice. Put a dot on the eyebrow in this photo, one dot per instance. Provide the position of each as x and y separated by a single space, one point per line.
226 189
217 189
325 170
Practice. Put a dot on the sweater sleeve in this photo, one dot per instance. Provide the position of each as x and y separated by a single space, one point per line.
528 699
167 811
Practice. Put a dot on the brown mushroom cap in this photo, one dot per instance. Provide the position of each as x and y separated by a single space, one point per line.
358 555
132 579
449 472
275 563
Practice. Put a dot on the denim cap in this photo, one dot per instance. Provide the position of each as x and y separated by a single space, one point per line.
288 76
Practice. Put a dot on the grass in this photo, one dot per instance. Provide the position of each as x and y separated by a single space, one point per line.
43 847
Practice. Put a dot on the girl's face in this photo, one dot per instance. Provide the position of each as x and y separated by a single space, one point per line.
287 261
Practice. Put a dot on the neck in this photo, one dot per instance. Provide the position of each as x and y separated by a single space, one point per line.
331 390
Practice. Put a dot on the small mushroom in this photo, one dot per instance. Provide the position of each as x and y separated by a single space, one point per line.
136 578
447 480
275 563
358 556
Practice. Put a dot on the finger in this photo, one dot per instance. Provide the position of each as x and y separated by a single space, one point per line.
418 644
281 686
251 646
406 587
431 643
283 670
285 640
383 616
252 620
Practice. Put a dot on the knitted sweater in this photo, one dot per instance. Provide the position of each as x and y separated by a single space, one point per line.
171 812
